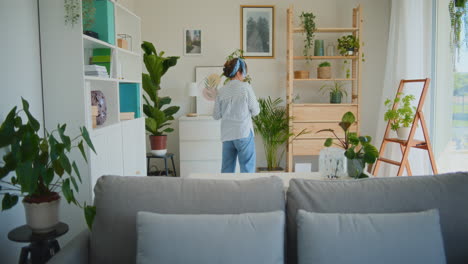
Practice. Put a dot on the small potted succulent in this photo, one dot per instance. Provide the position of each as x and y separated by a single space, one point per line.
401 117
41 167
336 91
358 149
324 70
348 45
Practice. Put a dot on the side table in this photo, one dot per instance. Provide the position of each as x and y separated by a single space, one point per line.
150 156
41 246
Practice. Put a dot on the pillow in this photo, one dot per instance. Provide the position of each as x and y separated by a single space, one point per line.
242 238
370 238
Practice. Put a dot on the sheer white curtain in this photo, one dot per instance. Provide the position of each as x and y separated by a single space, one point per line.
408 57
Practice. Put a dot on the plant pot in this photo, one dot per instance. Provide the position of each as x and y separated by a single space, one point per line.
403 132
350 53
355 167
301 75
335 98
158 145
332 162
324 72
42 217
265 170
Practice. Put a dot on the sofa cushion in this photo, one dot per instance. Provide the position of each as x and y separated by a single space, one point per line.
249 238
118 199
403 238
446 192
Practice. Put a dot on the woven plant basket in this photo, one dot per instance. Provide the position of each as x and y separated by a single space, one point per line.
301 75
324 72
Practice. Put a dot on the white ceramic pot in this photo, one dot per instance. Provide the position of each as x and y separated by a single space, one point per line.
159 152
403 132
42 217
350 52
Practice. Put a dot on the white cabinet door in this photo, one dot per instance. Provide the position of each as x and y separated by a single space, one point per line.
134 148
108 160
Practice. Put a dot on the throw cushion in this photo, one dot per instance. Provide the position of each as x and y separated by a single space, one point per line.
242 238
370 238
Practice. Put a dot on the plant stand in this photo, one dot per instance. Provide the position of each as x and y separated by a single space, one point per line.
406 145
167 156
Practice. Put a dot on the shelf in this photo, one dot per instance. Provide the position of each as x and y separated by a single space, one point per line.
128 81
327 30
93 78
325 80
128 52
92 43
326 57
320 105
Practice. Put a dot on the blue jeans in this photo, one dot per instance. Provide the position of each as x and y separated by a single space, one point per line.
243 148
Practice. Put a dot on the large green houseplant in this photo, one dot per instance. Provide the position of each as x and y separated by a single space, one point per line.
358 149
272 124
42 167
158 115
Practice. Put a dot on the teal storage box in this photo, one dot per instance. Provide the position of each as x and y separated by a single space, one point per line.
129 94
104 23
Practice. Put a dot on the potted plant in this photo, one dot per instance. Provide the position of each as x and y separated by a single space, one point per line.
272 124
308 23
157 118
336 91
358 149
401 117
324 70
347 45
41 166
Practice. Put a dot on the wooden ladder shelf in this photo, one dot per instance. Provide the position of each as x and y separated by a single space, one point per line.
406 145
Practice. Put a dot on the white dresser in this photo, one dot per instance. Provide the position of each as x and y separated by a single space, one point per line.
200 145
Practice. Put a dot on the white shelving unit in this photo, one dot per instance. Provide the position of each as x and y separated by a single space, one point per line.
120 145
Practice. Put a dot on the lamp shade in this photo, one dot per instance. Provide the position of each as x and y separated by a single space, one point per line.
192 89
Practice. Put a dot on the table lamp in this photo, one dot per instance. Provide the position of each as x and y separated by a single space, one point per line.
192 90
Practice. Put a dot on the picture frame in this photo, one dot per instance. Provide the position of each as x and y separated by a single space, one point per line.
193 42
209 79
257 24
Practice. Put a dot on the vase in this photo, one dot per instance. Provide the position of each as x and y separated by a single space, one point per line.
330 50
355 167
403 132
318 47
335 98
42 217
158 145
332 163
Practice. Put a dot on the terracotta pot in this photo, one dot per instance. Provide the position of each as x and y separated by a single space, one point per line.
42 217
301 75
324 72
158 145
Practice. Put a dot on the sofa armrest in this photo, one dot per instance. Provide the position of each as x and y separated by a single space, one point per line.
75 252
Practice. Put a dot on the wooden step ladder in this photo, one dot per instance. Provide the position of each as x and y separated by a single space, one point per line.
406 145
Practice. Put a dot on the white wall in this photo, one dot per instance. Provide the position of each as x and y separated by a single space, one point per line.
163 23
20 75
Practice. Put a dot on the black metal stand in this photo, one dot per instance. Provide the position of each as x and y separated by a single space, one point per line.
150 156
41 247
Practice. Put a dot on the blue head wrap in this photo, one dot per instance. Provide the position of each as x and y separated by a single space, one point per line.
240 63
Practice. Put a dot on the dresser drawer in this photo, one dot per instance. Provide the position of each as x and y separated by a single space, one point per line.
200 130
325 112
200 150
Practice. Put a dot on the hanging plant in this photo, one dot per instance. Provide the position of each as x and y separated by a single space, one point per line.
72 12
308 22
458 20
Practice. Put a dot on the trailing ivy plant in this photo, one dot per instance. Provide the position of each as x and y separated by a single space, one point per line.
403 116
72 12
458 19
308 22
41 164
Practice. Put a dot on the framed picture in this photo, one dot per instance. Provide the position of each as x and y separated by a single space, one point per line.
192 42
209 80
258 31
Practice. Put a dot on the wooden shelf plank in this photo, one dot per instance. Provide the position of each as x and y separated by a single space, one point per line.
92 43
327 30
319 105
324 80
326 57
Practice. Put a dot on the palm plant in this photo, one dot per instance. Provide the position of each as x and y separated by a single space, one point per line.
273 126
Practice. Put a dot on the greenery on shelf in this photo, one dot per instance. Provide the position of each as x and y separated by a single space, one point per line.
89 12
272 124
308 23
157 118
459 20
336 88
239 53
348 43
325 64
41 164
403 116
357 148
72 12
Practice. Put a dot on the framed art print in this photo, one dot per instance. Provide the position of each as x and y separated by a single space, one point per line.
193 42
258 31
209 80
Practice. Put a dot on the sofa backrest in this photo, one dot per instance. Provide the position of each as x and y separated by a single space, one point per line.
118 199
448 193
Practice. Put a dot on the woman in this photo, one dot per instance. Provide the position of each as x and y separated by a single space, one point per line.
235 105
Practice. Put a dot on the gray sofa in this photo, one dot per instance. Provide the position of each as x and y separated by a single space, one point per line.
118 199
